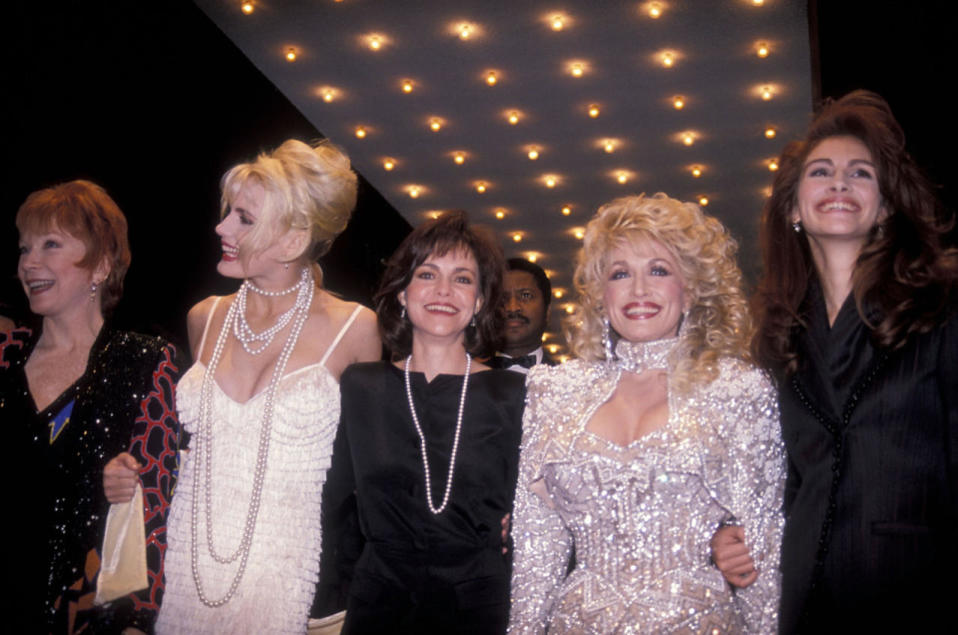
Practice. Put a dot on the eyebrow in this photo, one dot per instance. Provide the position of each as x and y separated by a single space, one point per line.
832 163
456 270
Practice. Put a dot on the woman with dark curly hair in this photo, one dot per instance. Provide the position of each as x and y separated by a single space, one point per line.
74 392
856 319
429 444
658 434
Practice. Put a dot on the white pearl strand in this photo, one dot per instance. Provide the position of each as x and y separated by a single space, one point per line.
241 328
204 452
422 438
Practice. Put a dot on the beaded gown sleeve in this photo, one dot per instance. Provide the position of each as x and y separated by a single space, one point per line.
122 402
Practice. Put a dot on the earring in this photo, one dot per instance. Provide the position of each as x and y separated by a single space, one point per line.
472 323
879 231
797 227
402 314
607 339
286 266
92 291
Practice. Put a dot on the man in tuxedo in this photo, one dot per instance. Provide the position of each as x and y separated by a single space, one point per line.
525 311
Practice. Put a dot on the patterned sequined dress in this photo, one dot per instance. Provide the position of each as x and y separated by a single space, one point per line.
57 510
641 516
278 586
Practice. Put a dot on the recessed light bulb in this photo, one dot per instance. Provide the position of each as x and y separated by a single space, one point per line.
668 59
328 95
481 187
772 165
291 55
770 133
593 110
550 181
622 177
696 171
655 10
557 23
566 210
517 237
407 86
553 348
459 158
435 124
500 214
761 49
247 7
767 93
465 30
678 102
580 234
389 164
577 70
609 146
688 138
375 43
513 117
703 201
491 78
533 154
360 132
414 191
558 294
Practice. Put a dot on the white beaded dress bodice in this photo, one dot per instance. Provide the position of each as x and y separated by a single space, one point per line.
278 586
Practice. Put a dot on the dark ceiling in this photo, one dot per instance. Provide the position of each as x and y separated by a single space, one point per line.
341 83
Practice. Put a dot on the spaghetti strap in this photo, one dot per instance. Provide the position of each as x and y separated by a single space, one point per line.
339 336
206 329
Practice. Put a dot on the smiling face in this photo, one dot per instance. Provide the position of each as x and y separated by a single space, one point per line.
49 272
644 292
443 295
838 195
523 312
245 212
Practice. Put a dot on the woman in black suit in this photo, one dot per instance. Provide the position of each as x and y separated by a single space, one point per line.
857 321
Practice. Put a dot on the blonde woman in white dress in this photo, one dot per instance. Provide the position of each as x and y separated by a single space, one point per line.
261 403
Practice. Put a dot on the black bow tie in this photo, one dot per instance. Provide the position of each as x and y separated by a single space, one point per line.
526 361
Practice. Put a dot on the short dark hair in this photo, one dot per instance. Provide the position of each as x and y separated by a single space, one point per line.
438 237
542 280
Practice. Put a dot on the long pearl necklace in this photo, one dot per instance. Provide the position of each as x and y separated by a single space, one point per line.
422 437
255 343
204 452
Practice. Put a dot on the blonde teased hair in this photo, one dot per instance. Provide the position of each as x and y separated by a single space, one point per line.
717 324
306 187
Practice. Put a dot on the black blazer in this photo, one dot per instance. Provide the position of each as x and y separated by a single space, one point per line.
872 494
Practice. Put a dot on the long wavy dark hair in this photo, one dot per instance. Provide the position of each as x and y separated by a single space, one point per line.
438 237
905 277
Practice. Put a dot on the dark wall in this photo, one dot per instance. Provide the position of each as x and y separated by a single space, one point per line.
153 102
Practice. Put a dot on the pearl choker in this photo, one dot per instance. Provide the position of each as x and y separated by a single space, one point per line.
255 343
422 438
203 441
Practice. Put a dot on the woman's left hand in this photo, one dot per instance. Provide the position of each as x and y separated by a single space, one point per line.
120 477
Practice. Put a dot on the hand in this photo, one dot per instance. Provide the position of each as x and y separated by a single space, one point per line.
120 477
731 556
505 533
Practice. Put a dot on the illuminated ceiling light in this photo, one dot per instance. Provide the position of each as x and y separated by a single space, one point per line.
767 191
655 10
327 93
375 42
407 86
767 92
703 200
360 132
761 49
533 153
550 180
558 293
247 7
532 256
517 237
389 164
772 165
435 124
465 31
553 348
770 133
557 23
758 3
435 214
500 213
593 110
667 58
566 210
696 170
688 138
576 69
512 117
290 54
481 187
491 78
459 157
678 102
579 233
414 191
609 145
622 177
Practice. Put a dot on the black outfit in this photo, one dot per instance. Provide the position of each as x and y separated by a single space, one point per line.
872 493
417 571
56 516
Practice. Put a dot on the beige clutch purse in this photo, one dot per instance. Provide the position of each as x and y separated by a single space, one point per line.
123 566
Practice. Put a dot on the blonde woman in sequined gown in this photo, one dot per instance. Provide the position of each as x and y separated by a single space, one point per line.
262 401
658 434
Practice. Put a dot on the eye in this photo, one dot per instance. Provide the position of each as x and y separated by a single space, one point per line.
527 296
23 249
659 270
464 279
50 243
862 173
244 219
818 171
618 274
425 274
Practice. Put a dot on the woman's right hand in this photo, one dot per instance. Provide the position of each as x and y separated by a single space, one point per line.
730 554
120 477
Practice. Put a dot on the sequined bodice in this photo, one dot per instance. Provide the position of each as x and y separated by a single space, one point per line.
278 586
641 516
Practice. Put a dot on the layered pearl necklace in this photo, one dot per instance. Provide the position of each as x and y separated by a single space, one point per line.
422 437
204 440
255 343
